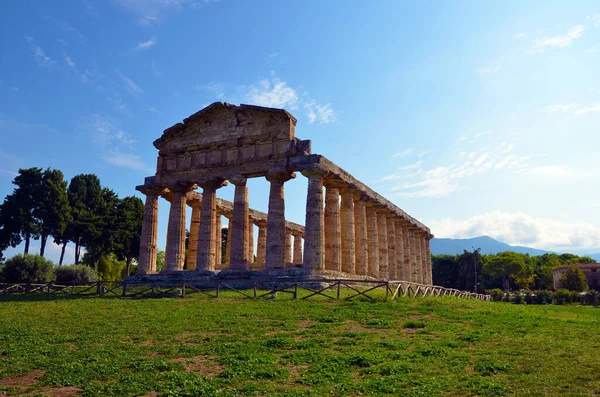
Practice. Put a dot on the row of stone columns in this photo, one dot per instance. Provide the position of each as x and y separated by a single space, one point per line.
345 232
358 236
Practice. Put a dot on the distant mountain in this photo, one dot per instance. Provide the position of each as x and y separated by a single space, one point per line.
488 245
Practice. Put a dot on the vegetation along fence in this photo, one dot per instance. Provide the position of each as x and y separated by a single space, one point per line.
333 289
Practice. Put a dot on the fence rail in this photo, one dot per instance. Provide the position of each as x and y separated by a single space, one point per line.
333 289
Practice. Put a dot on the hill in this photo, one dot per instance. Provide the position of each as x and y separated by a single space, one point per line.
487 244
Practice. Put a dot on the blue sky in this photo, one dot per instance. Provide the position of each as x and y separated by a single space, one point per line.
475 117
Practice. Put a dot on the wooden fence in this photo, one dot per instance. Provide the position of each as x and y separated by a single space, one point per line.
333 289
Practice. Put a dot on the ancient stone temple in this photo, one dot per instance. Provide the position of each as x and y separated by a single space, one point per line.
350 230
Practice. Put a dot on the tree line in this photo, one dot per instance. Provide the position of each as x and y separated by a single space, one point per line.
44 205
505 270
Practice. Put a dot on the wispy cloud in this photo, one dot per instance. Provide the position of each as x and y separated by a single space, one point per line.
127 161
151 12
106 133
84 77
518 228
519 36
130 86
404 153
577 109
488 70
538 46
272 93
557 171
595 19
39 55
322 114
146 44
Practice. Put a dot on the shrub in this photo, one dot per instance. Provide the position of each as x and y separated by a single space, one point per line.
576 297
574 279
518 298
110 268
529 298
543 297
562 296
592 298
497 294
77 274
28 268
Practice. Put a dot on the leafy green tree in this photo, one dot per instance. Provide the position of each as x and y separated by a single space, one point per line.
77 274
10 223
130 214
160 261
586 259
445 271
53 209
85 198
574 279
103 233
504 266
28 268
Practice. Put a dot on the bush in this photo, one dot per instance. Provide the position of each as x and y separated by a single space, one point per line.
77 274
574 279
110 268
518 298
28 268
562 296
497 294
543 297
576 297
592 298
529 298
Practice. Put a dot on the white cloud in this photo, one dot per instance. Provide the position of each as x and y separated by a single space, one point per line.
151 11
588 109
565 40
127 160
578 110
519 36
404 153
272 94
146 44
595 19
561 107
39 55
323 114
488 70
107 134
131 86
556 171
521 229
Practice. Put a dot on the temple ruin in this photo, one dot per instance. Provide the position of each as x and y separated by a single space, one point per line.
349 231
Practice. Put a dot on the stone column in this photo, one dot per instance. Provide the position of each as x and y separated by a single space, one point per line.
149 236
250 241
361 241
373 236
218 241
194 232
314 224
332 228
429 264
276 220
347 231
425 275
391 234
228 246
206 258
239 225
399 251
408 252
297 248
175 256
417 257
261 253
288 246
383 243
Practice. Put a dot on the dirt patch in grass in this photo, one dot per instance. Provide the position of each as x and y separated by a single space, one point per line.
23 381
201 364
69 391
151 355
353 326
305 324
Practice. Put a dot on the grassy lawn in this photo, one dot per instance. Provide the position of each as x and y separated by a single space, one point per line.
231 347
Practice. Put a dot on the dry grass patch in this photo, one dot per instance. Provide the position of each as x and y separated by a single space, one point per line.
23 381
202 365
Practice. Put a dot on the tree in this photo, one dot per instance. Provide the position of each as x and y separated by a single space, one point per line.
85 196
10 223
574 279
53 209
504 266
445 271
102 233
28 268
130 214
160 261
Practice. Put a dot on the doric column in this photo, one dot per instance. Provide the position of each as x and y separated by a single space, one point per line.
218 241
429 264
314 224
261 252
206 258
391 235
228 245
297 248
276 220
361 241
175 256
194 233
417 256
288 246
149 236
383 243
408 252
399 251
332 227
424 274
347 231
239 225
373 236
250 241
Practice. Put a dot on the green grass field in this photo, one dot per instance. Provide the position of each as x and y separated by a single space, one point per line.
230 347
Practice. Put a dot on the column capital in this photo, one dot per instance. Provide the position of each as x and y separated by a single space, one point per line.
314 173
150 190
278 175
238 180
182 187
194 202
213 184
260 223
334 183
